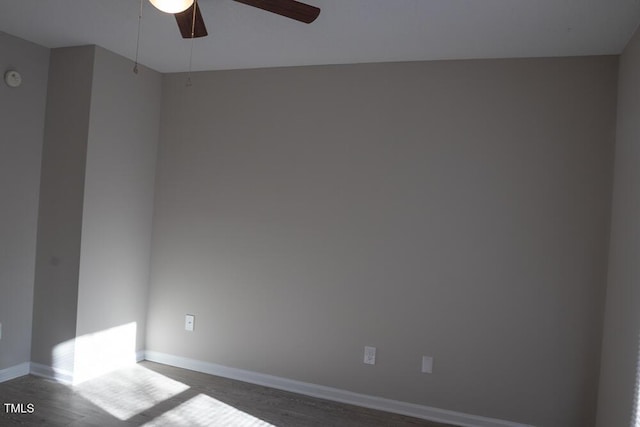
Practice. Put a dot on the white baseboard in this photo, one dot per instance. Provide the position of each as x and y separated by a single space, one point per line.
14 372
60 375
330 393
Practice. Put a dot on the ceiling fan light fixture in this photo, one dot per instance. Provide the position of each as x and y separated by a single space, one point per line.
172 6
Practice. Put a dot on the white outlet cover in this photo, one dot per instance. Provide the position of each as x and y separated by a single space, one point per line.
427 364
189 321
370 355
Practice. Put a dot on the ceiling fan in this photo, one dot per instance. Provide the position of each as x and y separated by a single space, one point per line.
193 26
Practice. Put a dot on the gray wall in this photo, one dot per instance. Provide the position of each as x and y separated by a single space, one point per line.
61 199
454 209
118 198
619 375
457 209
96 207
21 131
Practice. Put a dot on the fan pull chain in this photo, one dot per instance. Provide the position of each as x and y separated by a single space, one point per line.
135 66
193 34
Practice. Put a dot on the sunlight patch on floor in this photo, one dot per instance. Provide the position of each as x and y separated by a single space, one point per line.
205 411
129 391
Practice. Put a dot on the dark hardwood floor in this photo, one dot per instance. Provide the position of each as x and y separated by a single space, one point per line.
151 394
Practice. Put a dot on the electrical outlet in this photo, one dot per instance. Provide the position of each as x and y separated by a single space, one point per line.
370 355
189 321
427 364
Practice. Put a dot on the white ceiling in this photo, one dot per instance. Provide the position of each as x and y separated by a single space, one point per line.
347 31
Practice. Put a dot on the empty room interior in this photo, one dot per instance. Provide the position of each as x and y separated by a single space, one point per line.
426 209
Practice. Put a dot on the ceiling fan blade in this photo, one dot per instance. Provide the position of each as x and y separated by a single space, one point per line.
290 8
185 22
